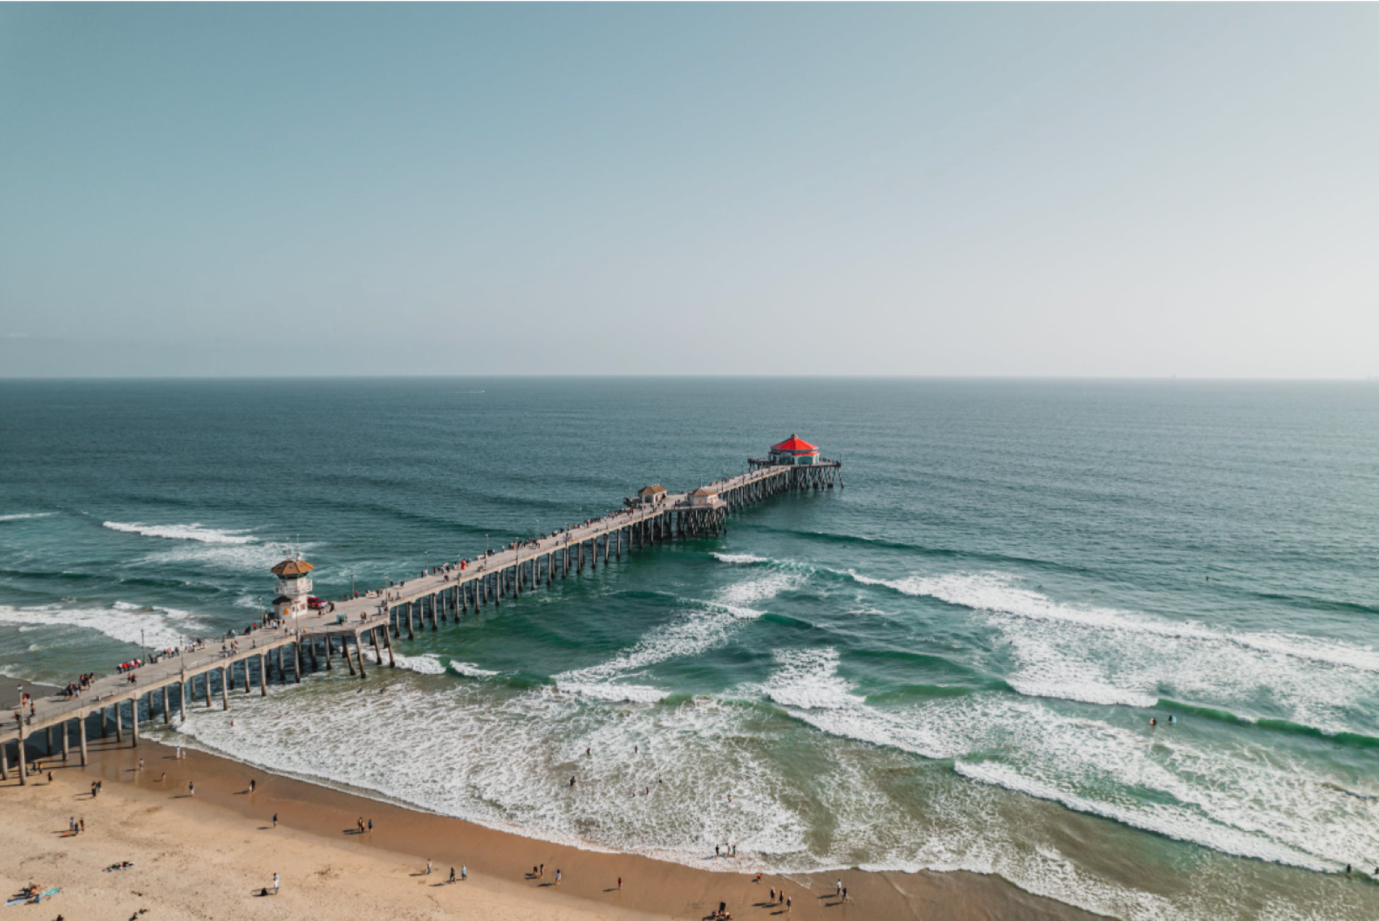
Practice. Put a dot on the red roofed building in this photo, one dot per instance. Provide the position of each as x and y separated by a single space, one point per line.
794 450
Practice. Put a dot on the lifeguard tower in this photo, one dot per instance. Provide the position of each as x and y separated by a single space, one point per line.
294 588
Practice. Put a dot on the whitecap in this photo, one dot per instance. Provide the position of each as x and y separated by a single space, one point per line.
193 531
694 634
470 670
158 627
739 558
631 693
808 679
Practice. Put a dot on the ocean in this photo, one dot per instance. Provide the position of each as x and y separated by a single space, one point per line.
950 663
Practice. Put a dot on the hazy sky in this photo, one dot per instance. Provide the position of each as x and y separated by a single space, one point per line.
1104 190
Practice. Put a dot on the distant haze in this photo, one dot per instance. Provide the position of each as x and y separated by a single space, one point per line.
1065 190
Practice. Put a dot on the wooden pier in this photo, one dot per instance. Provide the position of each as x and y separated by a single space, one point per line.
207 677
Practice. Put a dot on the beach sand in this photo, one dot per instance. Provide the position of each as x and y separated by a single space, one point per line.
209 856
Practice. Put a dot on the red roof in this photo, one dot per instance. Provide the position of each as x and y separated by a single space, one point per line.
795 444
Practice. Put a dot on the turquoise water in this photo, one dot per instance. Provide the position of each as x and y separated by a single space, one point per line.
950 663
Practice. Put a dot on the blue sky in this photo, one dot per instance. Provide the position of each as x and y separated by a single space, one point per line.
1064 190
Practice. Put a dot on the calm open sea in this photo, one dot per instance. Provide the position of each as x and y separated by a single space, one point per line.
950 663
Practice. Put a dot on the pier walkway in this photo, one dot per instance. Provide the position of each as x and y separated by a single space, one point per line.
240 664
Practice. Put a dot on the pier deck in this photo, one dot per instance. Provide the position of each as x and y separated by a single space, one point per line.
378 617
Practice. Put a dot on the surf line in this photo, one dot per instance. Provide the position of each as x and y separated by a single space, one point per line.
305 632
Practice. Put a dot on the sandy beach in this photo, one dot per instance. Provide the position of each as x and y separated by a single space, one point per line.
210 856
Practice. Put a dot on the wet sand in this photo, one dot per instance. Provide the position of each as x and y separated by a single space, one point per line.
204 855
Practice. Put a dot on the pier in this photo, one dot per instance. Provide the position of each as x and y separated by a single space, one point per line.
312 641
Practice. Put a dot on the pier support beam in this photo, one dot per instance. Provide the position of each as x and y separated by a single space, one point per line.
23 762
81 737
388 641
66 741
297 662
167 718
134 722
4 761
206 686
263 675
359 654
224 690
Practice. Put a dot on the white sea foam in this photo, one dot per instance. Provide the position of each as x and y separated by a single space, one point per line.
994 591
193 531
159 627
428 663
470 670
24 516
521 784
699 630
808 679
739 558
254 557
631 693
1221 797
1120 657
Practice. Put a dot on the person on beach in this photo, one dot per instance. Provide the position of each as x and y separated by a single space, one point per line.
191 788
839 887
620 884
81 826
541 871
370 826
557 877
845 893
428 866
141 765
359 825
164 777
789 902
772 900
252 785
464 872
276 883
452 875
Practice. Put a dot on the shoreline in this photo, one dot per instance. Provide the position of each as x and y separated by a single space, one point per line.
319 820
